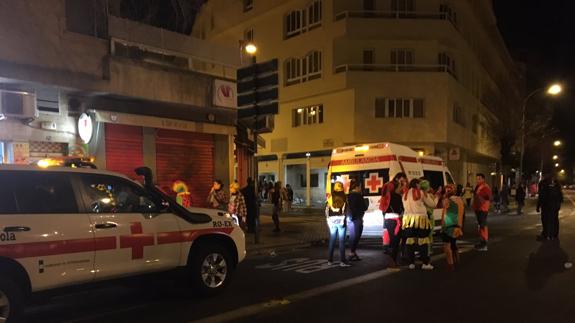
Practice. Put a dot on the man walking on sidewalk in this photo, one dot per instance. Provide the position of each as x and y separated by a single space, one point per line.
481 202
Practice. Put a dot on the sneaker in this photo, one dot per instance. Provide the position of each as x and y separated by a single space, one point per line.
427 267
411 266
344 264
483 248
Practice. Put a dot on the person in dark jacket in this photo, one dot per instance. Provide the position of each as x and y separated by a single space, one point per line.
549 203
520 198
356 209
251 199
336 221
276 199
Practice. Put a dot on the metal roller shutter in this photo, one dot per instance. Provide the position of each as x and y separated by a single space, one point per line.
124 149
185 156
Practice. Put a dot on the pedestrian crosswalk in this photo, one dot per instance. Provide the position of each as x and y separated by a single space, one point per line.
374 243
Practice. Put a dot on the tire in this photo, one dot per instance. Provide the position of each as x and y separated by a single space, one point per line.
11 300
210 269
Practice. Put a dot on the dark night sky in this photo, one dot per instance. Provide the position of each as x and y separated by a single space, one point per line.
541 34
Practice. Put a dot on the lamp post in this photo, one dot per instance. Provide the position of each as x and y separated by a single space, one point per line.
554 89
251 49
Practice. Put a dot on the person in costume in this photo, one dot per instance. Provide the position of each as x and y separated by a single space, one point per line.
336 221
426 188
451 225
391 206
416 225
237 204
481 202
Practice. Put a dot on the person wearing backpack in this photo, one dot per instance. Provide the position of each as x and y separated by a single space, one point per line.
549 203
336 221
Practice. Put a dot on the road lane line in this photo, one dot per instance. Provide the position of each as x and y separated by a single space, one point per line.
254 309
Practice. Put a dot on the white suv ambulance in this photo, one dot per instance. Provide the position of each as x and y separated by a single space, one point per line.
65 226
372 165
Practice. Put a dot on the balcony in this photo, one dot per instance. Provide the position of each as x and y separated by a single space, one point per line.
374 14
395 68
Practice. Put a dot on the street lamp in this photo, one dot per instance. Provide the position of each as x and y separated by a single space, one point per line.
553 89
556 164
557 143
251 49
555 157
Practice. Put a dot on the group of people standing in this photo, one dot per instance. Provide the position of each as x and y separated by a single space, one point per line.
243 202
407 209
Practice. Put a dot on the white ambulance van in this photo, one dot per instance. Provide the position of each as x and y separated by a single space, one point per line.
64 227
373 165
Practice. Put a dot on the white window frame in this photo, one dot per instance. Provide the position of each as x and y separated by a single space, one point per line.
299 21
447 60
396 103
305 116
402 54
307 68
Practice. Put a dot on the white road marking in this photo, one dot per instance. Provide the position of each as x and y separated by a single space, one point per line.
261 307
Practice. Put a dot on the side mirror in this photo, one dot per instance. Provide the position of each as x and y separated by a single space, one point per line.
147 173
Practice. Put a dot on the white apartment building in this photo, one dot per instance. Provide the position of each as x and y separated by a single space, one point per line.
430 74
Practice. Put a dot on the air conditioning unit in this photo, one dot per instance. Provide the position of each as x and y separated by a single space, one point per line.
19 105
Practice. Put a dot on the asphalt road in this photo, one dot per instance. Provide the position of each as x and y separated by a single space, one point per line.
517 280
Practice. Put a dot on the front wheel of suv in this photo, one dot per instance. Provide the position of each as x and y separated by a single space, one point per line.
211 268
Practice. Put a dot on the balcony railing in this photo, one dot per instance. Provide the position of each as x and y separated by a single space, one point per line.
394 68
374 14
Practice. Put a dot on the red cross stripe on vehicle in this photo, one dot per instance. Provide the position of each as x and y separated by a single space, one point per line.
137 240
374 182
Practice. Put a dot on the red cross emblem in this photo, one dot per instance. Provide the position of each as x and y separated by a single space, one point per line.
374 182
137 240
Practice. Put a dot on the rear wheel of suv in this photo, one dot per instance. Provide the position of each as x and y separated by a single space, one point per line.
210 268
11 300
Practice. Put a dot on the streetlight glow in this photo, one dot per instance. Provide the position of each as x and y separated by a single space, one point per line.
554 89
562 171
251 49
555 157
557 143
556 164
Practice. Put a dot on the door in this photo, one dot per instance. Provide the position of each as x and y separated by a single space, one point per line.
188 157
41 228
124 148
146 238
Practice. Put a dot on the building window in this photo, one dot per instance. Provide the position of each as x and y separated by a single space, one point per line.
448 13
300 21
249 35
248 5
299 70
314 14
402 6
447 62
402 57
313 178
368 5
307 116
368 56
399 108
87 17
458 115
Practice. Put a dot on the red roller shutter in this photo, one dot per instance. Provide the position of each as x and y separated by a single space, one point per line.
124 149
185 156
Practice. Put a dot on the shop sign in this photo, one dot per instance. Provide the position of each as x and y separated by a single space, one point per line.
224 94
85 127
20 153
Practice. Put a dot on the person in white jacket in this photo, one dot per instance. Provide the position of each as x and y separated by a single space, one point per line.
416 224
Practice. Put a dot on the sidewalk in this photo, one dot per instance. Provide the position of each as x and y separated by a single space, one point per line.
301 227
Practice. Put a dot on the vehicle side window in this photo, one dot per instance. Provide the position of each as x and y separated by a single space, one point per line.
449 178
435 178
39 192
7 199
108 194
